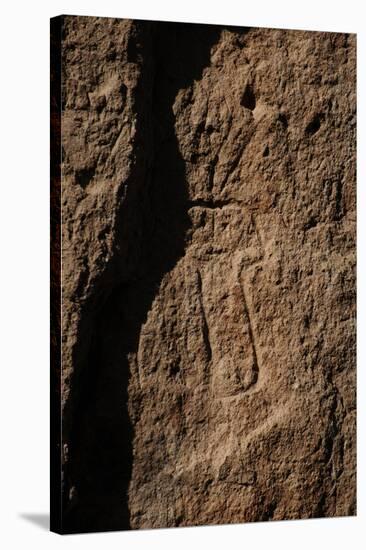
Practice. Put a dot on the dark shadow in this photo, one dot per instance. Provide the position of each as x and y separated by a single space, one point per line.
40 520
101 450
55 266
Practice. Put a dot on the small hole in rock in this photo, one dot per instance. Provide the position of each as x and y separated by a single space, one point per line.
312 222
313 125
123 91
248 100
266 151
83 176
283 119
174 370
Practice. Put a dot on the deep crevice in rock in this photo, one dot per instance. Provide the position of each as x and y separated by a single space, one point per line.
102 439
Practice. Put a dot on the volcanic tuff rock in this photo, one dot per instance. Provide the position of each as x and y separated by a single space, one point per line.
208 274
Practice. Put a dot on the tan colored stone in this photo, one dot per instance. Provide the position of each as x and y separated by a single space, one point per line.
208 208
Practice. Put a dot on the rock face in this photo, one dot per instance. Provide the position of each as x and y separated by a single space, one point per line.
208 274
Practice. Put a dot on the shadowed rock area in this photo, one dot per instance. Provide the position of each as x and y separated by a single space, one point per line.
208 274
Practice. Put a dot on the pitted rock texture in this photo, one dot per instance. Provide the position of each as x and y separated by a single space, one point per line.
208 274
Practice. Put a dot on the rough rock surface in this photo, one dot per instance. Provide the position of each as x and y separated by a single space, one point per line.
208 274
